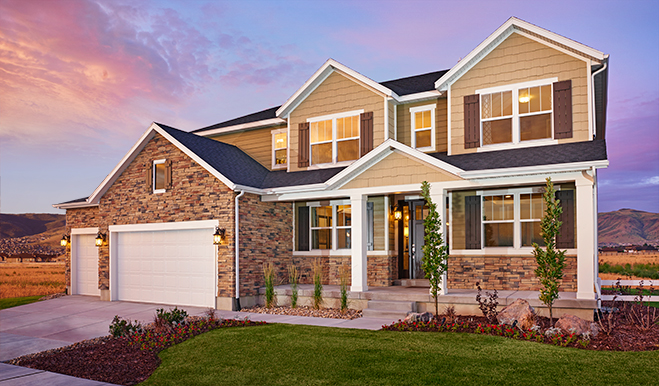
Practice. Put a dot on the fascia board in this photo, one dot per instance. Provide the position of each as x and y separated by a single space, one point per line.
540 169
195 157
75 205
243 126
122 165
320 75
497 37
249 189
296 189
420 96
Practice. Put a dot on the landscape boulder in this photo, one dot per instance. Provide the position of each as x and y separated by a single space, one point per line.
417 317
570 323
519 311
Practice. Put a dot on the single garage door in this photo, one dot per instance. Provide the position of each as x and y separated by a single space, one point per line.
85 256
166 266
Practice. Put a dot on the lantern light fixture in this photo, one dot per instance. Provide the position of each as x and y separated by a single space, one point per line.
100 239
66 239
218 236
398 214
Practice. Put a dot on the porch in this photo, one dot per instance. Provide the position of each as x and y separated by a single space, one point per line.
398 301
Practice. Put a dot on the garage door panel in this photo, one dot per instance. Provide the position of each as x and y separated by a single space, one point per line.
175 267
86 265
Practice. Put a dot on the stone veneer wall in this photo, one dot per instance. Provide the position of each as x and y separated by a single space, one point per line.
504 273
266 235
381 270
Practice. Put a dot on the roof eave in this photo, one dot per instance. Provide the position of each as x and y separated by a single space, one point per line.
262 124
536 169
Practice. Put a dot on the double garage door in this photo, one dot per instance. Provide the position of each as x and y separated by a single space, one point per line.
167 266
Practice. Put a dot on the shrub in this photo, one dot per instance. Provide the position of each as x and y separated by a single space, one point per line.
317 284
269 278
294 277
120 327
488 307
344 274
168 320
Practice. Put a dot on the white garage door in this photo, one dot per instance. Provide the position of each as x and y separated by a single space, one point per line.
85 255
171 266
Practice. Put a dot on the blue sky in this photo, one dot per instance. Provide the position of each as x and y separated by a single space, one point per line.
80 81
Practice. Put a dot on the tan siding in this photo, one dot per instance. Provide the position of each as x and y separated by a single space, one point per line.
256 143
392 120
520 59
338 93
398 169
378 222
441 125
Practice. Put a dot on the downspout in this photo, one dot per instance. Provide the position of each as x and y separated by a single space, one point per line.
237 249
598 287
594 117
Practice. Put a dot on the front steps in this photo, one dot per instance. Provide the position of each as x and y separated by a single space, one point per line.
388 309
423 283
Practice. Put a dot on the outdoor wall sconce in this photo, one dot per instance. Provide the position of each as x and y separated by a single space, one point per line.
398 214
218 236
100 239
66 239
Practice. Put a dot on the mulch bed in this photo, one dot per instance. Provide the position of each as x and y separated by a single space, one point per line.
333 313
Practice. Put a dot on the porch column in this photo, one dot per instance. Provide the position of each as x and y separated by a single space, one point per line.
359 233
585 239
438 198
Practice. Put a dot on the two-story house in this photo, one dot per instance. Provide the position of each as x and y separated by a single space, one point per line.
333 175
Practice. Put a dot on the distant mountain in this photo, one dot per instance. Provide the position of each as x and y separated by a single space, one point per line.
628 226
28 224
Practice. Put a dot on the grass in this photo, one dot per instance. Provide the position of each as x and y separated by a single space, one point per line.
14 302
650 271
19 280
279 354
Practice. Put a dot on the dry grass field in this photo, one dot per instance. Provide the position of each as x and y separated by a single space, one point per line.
628 258
30 279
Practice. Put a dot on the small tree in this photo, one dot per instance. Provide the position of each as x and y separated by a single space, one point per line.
435 253
550 260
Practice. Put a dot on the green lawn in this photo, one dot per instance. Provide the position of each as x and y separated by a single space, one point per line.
280 354
13 302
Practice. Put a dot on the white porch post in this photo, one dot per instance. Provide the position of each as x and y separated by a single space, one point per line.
585 239
359 230
438 198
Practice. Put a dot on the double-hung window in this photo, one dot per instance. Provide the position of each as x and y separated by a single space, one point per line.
334 138
498 220
279 149
330 226
532 209
423 127
516 113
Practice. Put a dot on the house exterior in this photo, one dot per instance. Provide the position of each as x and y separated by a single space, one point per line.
333 176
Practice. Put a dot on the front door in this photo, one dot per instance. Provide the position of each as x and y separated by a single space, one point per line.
410 237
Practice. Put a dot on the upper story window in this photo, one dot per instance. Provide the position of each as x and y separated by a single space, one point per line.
516 113
159 176
423 127
279 149
334 138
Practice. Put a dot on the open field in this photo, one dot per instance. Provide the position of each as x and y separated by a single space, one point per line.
31 279
615 258
281 354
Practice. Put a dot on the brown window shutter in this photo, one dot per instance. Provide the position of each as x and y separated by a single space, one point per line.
563 109
366 133
168 174
303 145
303 228
472 121
149 177
473 222
565 238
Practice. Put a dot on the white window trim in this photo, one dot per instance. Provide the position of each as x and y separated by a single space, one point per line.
413 131
334 141
153 176
516 141
334 228
274 158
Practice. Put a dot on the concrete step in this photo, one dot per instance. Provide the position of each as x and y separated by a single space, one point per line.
413 283
383 314
389 305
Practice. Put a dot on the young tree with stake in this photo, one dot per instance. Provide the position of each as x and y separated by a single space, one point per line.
435 253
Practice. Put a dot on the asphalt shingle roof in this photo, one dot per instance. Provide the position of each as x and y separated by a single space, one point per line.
253 117
414 84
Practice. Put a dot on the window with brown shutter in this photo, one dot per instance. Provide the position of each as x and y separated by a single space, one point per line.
472 121
563 109
168 174
302 228
366 133
149 176
565 238
473 222
303 145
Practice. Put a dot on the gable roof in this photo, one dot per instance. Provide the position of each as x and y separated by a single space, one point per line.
527 29
414 84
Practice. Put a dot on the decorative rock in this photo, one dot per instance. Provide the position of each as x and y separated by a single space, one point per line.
519 311
417 317
570 323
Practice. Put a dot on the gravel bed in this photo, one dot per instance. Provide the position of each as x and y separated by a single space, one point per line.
333 313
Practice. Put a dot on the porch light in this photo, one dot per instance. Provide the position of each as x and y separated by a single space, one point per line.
66 239
100 239
398 214
218 236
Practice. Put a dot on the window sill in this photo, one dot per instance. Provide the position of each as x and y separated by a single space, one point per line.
330 165
425 149
158 191
279 167
505 146
502 251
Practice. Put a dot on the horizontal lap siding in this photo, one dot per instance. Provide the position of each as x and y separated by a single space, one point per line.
519 59
338 93
256 143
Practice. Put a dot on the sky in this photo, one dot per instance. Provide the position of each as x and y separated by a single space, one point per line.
82 80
